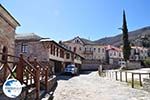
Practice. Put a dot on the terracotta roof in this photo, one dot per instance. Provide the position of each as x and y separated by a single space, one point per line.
110 47
140 48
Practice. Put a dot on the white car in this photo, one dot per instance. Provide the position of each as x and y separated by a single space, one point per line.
122 64
72 69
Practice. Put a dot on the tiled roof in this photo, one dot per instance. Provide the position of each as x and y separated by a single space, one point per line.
85 41
27 36
140 48
110 47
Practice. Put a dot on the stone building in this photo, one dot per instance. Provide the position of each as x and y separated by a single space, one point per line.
93 53
46 51
138 53
87 49
29 44
8 25
113 55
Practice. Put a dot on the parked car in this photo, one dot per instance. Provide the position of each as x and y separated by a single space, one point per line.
122 64
72 69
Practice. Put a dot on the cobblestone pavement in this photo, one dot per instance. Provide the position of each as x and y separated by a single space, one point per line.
92 87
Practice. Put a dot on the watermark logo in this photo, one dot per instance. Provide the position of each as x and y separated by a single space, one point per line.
12 88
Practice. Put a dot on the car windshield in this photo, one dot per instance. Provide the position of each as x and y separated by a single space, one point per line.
70 66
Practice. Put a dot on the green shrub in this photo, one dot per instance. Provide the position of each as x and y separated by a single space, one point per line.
147 62
136 84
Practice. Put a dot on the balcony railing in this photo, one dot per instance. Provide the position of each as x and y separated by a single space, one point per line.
88 52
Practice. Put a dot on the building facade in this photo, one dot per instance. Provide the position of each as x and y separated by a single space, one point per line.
87 49
113 54
138 53
29 44
8 25
103 53
46 50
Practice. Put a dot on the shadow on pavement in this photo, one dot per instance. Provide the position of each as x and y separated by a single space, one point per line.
64 77
69 76
85 72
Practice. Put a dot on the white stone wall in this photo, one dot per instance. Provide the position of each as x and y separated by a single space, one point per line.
99 52
138 53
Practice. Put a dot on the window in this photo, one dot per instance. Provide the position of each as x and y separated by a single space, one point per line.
90 49
61 53
69 48
80 48
103 50
77 41
24 48
94 49
141 51
110 54
119 54
54 50
114 53
57 51
74 49
98 49
85 49
134 50
51 48
67 56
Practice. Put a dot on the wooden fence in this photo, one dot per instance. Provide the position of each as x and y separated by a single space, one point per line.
115 73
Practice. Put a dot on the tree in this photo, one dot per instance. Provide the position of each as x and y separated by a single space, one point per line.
147 62
126 43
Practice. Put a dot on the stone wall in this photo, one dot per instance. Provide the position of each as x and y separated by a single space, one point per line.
34 49
7 30
7 36
90 64
134 65
108 67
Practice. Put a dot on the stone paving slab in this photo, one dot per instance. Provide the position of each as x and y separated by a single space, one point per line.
92 87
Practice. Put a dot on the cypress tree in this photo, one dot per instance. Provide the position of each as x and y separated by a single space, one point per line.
126 43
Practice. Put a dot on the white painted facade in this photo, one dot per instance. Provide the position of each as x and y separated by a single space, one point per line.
108 53
138 53
88 51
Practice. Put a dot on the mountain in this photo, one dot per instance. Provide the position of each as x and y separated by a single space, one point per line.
140 37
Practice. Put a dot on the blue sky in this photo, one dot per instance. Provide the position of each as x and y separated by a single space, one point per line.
65 19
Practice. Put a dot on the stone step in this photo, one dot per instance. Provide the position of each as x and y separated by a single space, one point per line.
48 96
